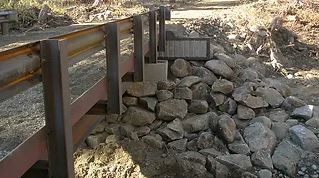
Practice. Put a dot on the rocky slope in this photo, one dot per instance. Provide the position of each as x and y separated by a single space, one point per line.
221 118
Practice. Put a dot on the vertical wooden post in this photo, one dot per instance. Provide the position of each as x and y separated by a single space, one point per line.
153 36
5 28
57 108
138 48
113 69
162 33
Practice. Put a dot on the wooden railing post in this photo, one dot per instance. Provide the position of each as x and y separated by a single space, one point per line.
162 33
57 108
153 36
114 88
138 48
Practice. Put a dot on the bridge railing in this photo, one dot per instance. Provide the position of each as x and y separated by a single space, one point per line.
69 123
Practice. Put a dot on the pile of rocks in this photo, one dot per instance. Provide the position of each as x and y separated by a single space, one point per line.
223 118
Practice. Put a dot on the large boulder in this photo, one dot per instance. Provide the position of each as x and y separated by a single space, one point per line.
206 75
239 145
200 91
189 81
262 158
245 113
193 157
183 93
216 168
220 68
205 140
227 59
198 106
138 116
235 161
196 123
304 137
140 89
286 157
271 96
227 128
223 86
181 68
303 112
171 109
259 137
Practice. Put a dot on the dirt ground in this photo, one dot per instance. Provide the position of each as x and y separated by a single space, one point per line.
22 115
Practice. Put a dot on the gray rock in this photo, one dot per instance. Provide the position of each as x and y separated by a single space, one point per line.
291 103
229 106
304 137
138 116
189 169
140 89
130 101
166 85
248 175
264 173
241 60
206 75
249 74
213 121
112 118
252 101
198 107
313 122
245 113
227 59
189 81
171 109
181 68
142 131
176 125
211 152
148 103
111 139
99 128
94 141
200 91
192 145
286 157
183 93
303 112
280 129
154 141
218 98
205 140
170 135
262 158
112 129
193 157
259 137
226 128
220 68
239 146
196 123
155 125
280 86
178 145
127 130
163 95
223 86
240 124
236 161
278 115
292 122
262 119
271 96
216 168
